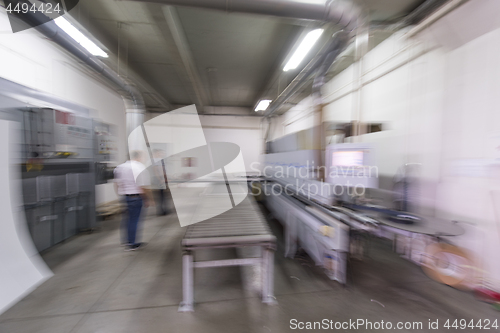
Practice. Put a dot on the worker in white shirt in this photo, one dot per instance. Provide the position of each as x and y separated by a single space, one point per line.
132 181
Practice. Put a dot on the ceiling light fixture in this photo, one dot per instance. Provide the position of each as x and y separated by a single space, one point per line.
263 105
303 49
79 37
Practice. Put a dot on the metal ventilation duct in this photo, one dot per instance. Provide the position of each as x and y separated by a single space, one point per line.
340 12
133 99
318 66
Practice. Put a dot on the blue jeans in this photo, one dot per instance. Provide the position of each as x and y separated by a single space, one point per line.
134 208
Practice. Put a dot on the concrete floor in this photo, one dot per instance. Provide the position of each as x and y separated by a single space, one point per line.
97 287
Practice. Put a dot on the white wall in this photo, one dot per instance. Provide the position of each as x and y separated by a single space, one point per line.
437 96
299 117
244 131
33 61
470 185
276 128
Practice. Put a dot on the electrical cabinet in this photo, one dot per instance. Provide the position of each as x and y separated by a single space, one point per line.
64 155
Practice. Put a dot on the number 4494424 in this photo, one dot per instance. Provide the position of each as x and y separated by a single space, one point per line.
462 324
45 8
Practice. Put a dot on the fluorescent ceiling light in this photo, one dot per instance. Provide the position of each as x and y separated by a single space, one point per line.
263 104
79 37
304 48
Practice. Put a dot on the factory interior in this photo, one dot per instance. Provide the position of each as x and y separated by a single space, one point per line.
249 166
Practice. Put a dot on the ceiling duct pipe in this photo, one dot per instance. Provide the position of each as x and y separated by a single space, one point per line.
413 18
318 66
339 43
340 12
134 102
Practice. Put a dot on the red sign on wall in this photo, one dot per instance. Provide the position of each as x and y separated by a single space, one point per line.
65 118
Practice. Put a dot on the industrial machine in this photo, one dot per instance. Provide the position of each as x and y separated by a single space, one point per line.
351 165
65 156
328 219
295 197
62 155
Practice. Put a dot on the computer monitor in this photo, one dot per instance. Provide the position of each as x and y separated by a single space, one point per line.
348 158
351 165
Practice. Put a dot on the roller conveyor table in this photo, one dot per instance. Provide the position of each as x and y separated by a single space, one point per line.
242 226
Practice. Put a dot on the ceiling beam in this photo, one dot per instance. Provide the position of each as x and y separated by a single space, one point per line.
173 21
168 25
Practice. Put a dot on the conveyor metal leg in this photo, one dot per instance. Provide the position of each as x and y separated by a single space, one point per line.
288 240
342 267
290 236
268 276
187 283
